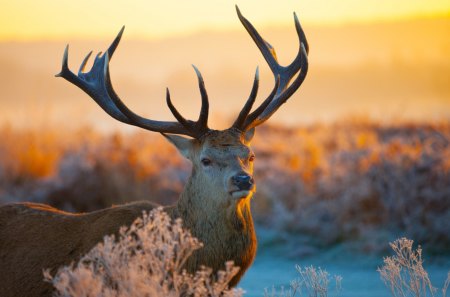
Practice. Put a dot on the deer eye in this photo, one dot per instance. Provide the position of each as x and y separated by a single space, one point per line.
206 162
252 158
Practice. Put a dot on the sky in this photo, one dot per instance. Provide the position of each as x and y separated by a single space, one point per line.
56 19
362 66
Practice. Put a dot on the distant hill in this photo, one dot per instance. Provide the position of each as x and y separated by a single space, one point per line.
393 69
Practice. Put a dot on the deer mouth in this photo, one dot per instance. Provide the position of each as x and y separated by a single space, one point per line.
240 194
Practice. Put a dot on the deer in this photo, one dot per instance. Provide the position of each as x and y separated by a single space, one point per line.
215 204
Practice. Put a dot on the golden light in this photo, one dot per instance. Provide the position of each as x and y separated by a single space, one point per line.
377 58
50 19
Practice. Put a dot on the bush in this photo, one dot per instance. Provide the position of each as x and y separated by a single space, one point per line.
404 274
146 260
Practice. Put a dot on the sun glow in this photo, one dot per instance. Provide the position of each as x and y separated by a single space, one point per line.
52 19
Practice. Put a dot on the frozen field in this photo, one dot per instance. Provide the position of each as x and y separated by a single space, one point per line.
359 279
273 268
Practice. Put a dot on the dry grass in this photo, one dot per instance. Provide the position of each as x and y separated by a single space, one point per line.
314 282
351 181
404 273
146 260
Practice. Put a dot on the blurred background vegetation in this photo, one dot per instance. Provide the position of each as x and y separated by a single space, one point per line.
356 181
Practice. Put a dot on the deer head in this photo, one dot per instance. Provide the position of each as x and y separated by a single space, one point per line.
222 160
222 164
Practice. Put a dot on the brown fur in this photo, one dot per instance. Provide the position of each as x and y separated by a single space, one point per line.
34 236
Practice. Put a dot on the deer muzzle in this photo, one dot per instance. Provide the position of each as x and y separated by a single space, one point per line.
243 185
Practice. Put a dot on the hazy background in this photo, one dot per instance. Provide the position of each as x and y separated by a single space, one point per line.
370 58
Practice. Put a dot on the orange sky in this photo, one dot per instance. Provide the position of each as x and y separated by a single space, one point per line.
395 69
55 19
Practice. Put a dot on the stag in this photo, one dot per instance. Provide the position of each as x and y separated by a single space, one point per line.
215 202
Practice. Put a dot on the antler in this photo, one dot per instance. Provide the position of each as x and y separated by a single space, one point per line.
283 90
97 84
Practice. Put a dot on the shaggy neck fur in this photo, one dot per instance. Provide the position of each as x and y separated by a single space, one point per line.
223 224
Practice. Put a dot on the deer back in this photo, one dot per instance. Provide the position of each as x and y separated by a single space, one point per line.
34 237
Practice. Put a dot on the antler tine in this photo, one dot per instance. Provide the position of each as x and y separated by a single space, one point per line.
115 43
266 49
301 34
202 122
281 98
249 104
175 112
282 74
200 127
252 119
83 64
97 84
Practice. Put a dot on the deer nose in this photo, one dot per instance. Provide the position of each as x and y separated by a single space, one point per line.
243 181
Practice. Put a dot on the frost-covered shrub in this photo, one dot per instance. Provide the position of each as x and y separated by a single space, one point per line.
404 274
360 182
314 282
146 260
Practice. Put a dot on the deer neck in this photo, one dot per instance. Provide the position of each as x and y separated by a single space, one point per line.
223 224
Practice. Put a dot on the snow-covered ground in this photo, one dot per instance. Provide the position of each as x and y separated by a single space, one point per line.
275 267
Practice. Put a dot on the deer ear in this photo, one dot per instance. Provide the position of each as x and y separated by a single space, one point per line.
184 145
248 135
